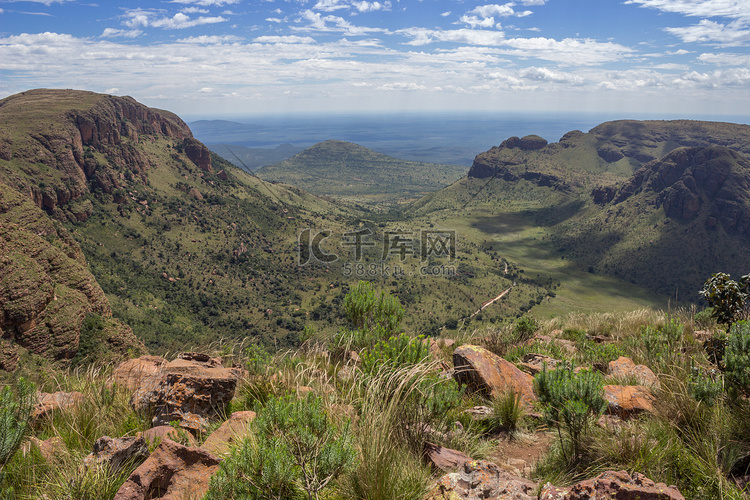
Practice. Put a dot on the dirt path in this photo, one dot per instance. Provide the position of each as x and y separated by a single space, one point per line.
490 302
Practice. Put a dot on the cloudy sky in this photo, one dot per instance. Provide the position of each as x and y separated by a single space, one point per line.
240 57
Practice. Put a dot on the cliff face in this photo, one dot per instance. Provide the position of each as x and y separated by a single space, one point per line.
689 181
616 149
59 145
46 289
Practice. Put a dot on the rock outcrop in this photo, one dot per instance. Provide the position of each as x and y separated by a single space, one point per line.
193 390
482 480
484 372
46 289
610 484
117 453
231 432
92 145
172 472
627 401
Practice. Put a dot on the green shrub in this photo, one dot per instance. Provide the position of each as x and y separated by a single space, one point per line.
365 309
525 327
705 388
397 352
571 400
258 360
16 404
737 357
507 411
728 298
296 451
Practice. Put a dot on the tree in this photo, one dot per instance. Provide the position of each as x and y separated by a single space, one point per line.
729 299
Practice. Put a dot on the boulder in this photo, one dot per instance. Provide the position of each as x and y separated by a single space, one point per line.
444 459
485 372
193 389
534 363
610 484
131 373
48 403
48 448
479 479
172 472
156 435
117 452
236 428
627 401
624 367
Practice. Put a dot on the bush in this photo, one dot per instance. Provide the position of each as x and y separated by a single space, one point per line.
525 327
737 357
295 448
728 298
16 404
397 352
364 309
571 400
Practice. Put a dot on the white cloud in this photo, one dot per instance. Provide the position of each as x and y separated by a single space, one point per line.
116 33
143 18
358 5
317 22
722 78
725 59
735 9
45 2
547 75
483 16
284 39
569 51
730 34
194 10
210 40
424 36
446 14
409 86
533 2
671 67
206 3
112 90
206 90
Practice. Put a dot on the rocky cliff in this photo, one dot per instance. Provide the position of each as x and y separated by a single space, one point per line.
47 291
59 145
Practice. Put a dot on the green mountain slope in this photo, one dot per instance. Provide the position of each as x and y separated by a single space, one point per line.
254 158
191 250
346 170
661 205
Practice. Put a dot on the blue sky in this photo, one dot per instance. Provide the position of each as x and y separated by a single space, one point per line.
242 57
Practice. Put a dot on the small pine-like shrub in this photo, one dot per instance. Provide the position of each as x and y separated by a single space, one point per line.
705 387
365 309
728 298
258 360
397 352
737 357
295 452
571 401
16 404
525 327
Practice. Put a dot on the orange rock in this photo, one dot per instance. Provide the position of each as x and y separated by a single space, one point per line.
47 403
624 367
231 432
172 472
488 373
160 432
131 373
611 484
626 401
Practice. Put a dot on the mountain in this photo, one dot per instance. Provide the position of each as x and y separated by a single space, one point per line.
253 158
347 170
659 204
190 250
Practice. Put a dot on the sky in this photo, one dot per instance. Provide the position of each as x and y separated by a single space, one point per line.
226 58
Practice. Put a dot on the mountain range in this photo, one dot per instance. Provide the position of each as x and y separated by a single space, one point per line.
120 232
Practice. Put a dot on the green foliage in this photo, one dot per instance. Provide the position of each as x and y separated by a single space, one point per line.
661 344
366 310
524 327
728 298
295 448
16 404
571 400
737 357
705 387
258 360
397 352
601 353
507 411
